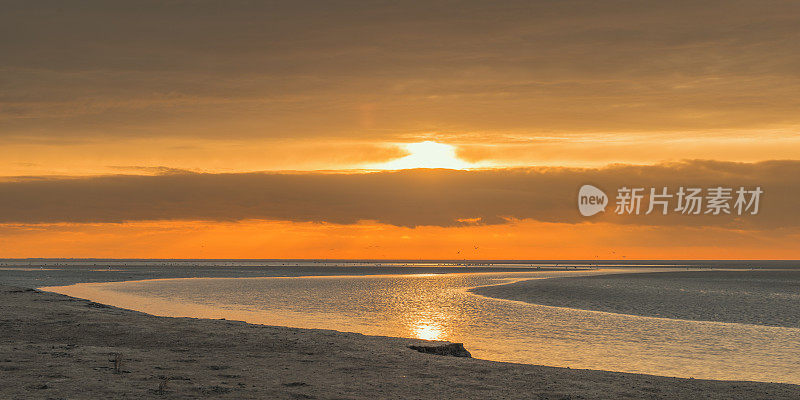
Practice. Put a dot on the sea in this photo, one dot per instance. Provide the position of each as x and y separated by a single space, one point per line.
693 319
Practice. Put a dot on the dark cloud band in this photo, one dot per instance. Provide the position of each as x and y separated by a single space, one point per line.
402 198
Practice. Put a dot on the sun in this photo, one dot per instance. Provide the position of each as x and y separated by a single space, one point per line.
427 154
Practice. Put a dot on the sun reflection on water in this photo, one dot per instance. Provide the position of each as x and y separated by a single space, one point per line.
427 330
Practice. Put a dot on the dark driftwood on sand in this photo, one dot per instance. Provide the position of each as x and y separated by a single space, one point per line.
449 349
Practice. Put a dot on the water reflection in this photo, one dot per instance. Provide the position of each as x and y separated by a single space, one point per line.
437 307
427 330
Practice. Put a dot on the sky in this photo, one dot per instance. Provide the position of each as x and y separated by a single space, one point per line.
436 129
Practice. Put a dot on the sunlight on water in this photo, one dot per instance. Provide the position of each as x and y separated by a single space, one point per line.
438 307
427 330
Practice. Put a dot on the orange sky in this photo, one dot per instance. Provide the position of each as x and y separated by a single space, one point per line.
97 100
276 239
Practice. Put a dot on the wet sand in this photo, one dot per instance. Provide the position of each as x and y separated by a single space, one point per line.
54 346
760 297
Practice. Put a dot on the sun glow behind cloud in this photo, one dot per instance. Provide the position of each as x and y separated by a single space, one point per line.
427 154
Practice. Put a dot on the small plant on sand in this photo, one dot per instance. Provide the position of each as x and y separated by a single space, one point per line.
117 360
162 386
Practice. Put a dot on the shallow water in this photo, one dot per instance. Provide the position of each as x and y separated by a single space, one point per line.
438 307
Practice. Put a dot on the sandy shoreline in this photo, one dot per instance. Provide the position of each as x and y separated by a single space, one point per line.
759 297
55 346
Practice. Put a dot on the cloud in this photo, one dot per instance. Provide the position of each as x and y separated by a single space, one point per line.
387 69
599 150
405 198
101 157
